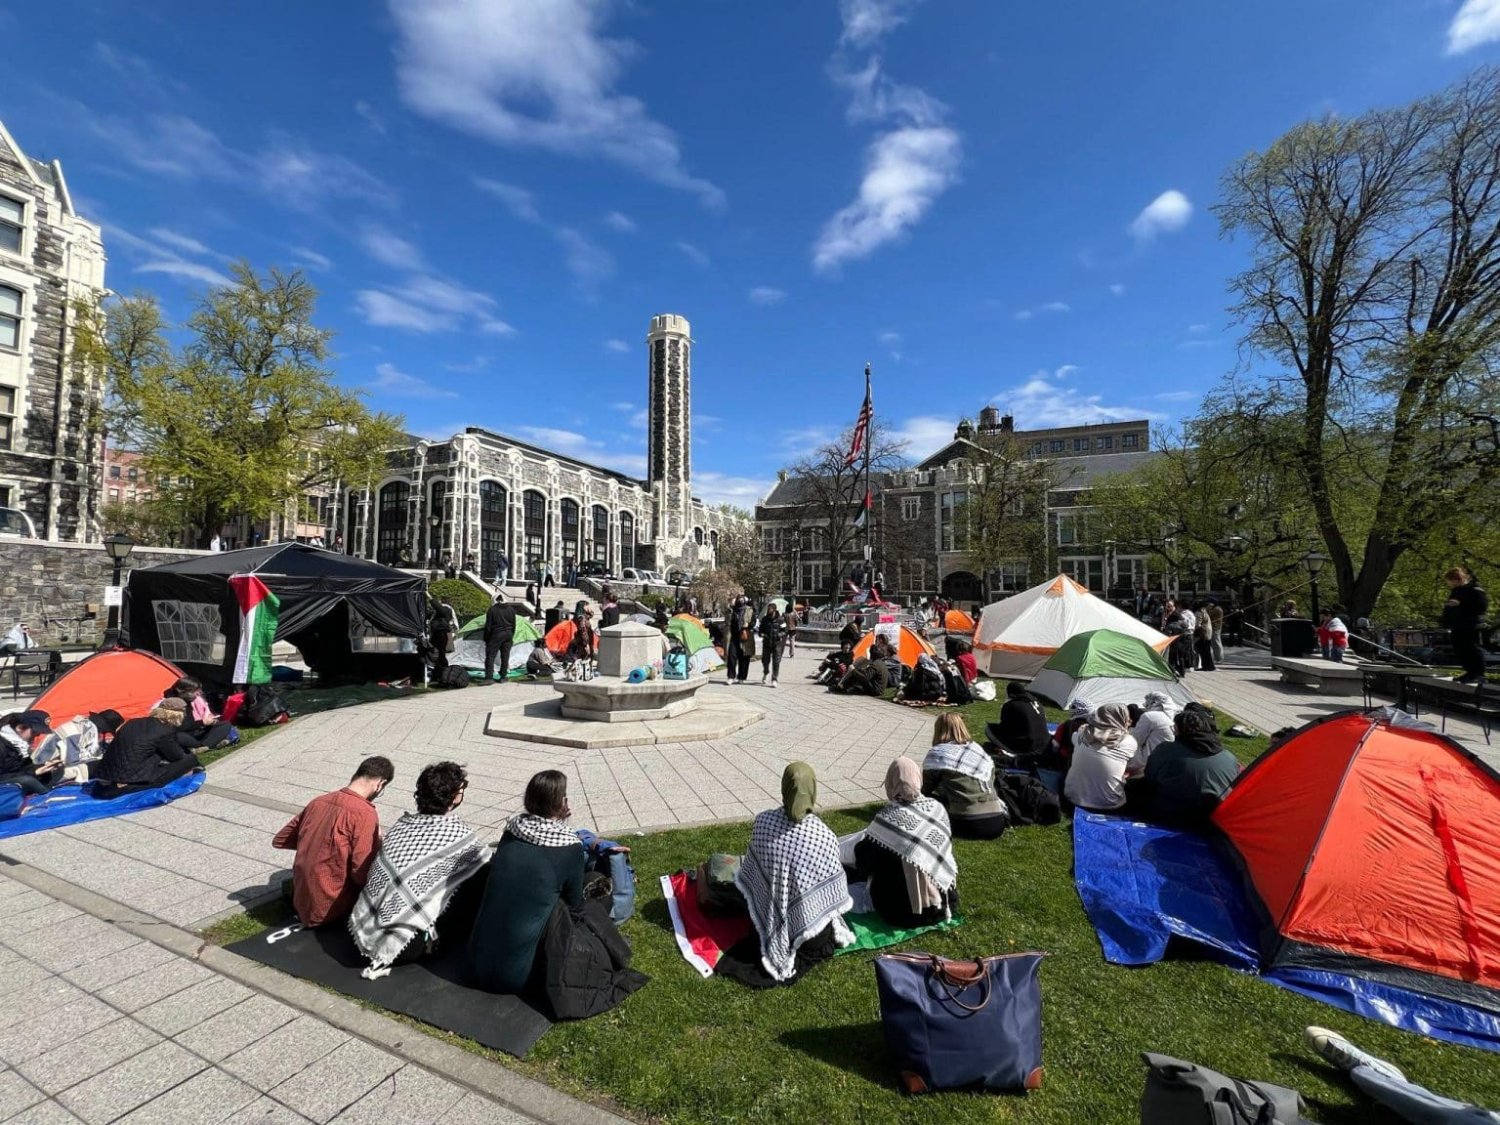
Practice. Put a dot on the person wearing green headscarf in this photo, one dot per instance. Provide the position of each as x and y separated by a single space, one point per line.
793 883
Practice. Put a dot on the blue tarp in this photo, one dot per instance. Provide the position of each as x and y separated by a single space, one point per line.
1142 885
73 804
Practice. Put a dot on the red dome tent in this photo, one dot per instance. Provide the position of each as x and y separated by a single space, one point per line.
128 681
1372 849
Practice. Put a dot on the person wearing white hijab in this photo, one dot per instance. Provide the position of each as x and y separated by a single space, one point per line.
1104 755
1155 724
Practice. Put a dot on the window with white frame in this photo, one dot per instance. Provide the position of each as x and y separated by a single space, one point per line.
12 224
10 317
1087 572
911 575
1130 441
7 417
911 507
1105 441
1012 576
952 522
189 631
814 576
1067 529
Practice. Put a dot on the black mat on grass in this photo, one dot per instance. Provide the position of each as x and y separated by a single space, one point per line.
430 990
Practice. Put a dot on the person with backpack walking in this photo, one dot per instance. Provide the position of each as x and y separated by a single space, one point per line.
1463 613
772 629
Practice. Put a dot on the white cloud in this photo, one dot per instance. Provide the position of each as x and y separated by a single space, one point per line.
617 346
138 74
1117 289
891 341
767 295
446 296
520 202
1178 396
1051 307
191 271
1168 212
390 249
694 255
382 310
534 74
586 260
311 259
718 488
924 435
905 170
161 254
874 97
1197 329
618 222
1475 24
866 21
367 113
303 177
493 326
805 441
1043 400
389 380
179 241
478 363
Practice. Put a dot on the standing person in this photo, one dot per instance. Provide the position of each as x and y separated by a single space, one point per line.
216 544
609 608
449 570
1216 620
1463 613
792 619
442 627
335 837
741 645
772 631
1203 640
499 636
1289 608
547 579
502 570
534 598
1142 602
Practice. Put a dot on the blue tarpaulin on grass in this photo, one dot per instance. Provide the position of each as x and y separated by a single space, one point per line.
73 804
1142 886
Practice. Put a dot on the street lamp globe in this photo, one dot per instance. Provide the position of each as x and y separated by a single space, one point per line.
1314 561
119 546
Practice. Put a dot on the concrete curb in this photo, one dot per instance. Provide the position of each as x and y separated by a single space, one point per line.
492 1080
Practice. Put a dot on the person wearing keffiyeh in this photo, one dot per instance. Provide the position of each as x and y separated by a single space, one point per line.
794 887
423 861
961 777
906 855
539 861
1105 754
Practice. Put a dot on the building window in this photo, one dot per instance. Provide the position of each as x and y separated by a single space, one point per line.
391 545
134 473
911 575
1039 447
534 531
1104 442
1067 531
1011 577
953 522
7 416
911 507
1087 572
814 576
627 539
1056 445
569 509
114 494
114 472
1080 445
12 223
10 317
1130 441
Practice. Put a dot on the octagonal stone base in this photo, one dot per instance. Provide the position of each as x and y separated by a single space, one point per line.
720 712
608 699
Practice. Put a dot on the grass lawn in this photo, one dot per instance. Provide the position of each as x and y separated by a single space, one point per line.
307 700
686 1050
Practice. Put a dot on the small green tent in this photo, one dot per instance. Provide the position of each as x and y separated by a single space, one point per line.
468 648
692 635
1102 666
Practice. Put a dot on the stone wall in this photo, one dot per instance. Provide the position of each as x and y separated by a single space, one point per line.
52 586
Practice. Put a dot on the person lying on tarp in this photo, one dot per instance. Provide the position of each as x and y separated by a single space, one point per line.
335 837
424 863
1021 735
794 887
145 753
1186 778
17 733
906 856
201 729
961 777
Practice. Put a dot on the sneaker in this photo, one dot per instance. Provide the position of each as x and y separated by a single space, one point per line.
775 684
1344 1054
763 680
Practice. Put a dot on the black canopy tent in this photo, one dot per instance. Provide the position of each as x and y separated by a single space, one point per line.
350 618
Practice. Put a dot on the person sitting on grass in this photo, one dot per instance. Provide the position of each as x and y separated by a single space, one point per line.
201 729
964 658
424 860
906 855
17 732
961 777
335 837
1104 755
1186 778
794 888
145 753
1022 731
539 861
1154 726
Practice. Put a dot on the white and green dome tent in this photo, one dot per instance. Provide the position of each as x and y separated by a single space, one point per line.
468 645
1103 666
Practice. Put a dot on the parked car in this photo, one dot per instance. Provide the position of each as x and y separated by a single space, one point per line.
679 577
593 568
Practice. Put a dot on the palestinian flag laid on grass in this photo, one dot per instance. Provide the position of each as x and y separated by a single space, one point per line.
259 609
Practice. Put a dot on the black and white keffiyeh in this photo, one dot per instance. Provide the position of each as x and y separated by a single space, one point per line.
422 861
794 885
920 834
968 758
542 831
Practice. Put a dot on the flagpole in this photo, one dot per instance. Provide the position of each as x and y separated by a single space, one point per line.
869 438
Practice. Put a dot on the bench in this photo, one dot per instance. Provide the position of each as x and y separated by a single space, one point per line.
1324 676
1483 700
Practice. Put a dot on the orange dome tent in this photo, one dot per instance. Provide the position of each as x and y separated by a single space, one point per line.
560 636
1371 847
957 621
909 646
125 680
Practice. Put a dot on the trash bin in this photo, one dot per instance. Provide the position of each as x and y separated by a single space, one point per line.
1293 636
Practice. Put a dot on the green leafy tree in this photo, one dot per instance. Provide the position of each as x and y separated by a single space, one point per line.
744 559
246 415
1004 513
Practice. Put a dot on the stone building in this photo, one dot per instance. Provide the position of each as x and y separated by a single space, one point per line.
481 495
50 260
919 534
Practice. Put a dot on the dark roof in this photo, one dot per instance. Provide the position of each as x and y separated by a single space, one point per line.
958 447
1089 469
293 559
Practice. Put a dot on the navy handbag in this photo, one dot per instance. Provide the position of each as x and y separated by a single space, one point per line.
955 1024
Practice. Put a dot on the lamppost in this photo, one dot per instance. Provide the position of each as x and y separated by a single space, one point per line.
796 568
1314 561
118 548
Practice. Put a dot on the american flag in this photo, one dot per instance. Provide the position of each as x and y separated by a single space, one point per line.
862 426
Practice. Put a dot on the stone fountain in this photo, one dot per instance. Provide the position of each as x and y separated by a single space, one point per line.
610 697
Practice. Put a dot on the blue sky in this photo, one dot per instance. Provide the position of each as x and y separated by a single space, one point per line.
990 202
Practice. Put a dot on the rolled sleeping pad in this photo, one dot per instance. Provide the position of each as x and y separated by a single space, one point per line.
638 675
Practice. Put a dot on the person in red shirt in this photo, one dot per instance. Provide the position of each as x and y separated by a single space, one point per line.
336 838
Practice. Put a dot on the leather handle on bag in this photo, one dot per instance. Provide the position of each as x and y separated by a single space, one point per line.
954 978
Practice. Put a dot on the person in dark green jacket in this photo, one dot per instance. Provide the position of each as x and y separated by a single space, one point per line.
539 860
1186 778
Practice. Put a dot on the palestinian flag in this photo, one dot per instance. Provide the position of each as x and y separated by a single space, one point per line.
259 609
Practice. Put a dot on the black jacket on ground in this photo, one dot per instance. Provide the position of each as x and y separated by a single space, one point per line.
585 963
139 749
499 623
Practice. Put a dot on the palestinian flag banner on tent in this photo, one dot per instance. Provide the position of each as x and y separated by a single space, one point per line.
259 610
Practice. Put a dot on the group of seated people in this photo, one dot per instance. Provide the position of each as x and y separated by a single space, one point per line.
120 756
1152 761
926 681
432 878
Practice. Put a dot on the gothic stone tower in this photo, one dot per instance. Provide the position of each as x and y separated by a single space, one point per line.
669 445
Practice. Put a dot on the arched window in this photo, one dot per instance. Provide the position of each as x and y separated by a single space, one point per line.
494 507
627 539
569 512
438 510
534 512
698 536
599 539
394 511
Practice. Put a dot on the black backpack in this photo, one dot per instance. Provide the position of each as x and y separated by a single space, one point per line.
957 687
453 676
1027 800
264 706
